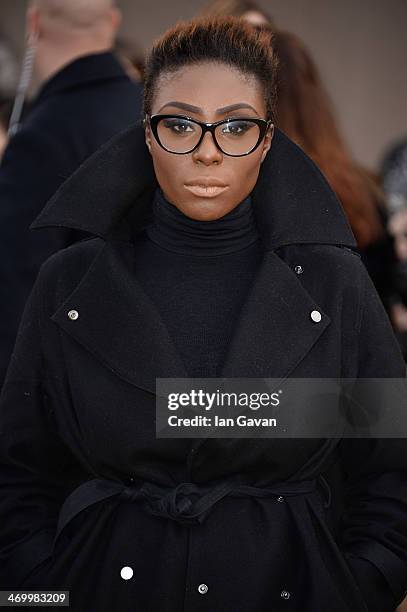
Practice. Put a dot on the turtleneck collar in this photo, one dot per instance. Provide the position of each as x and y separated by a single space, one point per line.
171 229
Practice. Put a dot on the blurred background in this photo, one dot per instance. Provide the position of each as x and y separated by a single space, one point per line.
360 48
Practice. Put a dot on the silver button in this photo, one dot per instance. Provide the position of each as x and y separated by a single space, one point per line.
316 316
126 572
203 588
285 594
73 314
299 269
280 498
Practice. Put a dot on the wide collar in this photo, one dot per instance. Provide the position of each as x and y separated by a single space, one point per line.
121 326
83 70
292 201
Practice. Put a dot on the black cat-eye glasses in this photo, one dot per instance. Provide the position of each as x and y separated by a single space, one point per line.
235 136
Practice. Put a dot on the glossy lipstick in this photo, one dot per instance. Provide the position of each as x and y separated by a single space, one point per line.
210 191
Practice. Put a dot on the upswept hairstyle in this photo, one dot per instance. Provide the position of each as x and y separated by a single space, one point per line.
225 39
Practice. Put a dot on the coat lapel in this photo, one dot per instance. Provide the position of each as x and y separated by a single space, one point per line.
274 331
120 325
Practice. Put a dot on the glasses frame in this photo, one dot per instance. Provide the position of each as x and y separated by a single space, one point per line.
207 127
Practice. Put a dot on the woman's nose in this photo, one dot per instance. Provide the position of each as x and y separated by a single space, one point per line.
207 152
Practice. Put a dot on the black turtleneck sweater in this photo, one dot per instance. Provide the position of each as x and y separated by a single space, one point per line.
198 273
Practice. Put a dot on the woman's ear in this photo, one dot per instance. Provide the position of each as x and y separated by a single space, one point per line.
267 142
147 134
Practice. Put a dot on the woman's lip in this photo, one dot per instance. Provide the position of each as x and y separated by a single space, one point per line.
206 192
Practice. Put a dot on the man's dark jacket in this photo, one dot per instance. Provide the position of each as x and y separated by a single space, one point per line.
89 489
77 110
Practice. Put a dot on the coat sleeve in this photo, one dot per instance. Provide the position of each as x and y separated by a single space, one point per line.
37 470
373 527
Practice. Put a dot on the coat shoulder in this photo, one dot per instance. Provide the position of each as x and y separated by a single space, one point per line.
72 262
336 263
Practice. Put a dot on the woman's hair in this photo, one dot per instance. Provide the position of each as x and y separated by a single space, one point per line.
304 112
225 39
236 8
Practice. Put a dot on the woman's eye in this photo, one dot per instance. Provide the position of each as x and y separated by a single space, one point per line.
236 129
179 127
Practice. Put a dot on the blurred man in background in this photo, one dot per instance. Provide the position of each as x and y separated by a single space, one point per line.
82 97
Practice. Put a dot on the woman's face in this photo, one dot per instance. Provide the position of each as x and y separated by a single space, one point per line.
207 87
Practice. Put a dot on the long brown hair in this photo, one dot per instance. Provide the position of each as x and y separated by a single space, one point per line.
305 113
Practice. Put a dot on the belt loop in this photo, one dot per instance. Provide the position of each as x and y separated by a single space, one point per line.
327 490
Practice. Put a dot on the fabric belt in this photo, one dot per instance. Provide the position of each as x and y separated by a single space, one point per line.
186 503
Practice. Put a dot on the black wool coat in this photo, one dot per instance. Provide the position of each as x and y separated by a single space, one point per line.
76 111
77 418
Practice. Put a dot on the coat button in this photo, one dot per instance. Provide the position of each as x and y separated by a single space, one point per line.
73 314
285 594
280 498
203 588
126 572
299 269
316 316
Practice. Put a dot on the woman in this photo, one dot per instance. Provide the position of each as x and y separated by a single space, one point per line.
227 257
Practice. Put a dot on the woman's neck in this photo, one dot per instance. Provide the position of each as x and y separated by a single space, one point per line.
173 230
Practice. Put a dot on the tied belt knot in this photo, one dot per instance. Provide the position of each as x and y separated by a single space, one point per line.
176 503
187 503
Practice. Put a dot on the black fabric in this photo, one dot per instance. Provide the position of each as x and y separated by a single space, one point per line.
120 181
373 584
172 230
198 273
77 110
79 399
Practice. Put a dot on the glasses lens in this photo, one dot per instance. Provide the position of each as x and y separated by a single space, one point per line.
237 136
178 135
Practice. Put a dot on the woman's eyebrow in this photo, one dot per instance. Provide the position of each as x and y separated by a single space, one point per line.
199 111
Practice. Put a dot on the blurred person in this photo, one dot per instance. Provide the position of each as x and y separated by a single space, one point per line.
132 57
397 226
249 10
5 111
394 176
305 113
218 249
80 96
